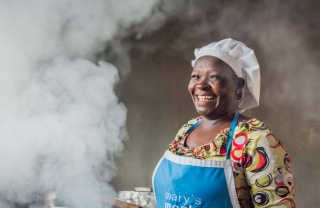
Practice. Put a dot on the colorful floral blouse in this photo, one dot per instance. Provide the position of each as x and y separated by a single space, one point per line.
261 164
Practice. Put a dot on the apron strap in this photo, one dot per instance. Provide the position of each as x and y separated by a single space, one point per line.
231 132
194 126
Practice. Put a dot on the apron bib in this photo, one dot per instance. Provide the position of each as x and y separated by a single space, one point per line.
183 182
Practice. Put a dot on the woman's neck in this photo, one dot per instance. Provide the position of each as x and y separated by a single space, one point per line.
220 120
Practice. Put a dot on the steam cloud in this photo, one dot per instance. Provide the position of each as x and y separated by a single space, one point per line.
60 121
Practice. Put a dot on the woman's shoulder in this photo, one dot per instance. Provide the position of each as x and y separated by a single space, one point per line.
255 131
193 121
252 124
187 125
254 128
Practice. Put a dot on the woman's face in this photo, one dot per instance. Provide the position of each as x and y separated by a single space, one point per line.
213 87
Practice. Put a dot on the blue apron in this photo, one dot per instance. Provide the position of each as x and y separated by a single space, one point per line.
182 182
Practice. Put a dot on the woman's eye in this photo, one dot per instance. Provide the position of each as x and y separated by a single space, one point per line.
215 77
194 76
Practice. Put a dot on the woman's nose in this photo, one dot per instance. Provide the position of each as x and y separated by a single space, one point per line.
203 84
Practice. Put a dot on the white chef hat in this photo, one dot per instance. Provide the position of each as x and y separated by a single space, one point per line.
243 61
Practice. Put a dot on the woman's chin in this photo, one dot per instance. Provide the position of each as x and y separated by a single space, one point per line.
214 113
207 112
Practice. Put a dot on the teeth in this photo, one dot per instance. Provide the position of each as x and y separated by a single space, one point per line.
205 98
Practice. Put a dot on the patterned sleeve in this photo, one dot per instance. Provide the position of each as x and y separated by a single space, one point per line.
267 169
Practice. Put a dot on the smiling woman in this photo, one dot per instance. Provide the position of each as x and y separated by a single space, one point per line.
213 86
222 158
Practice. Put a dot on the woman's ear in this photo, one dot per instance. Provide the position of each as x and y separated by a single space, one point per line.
240 86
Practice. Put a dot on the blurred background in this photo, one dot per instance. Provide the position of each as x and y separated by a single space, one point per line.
92 92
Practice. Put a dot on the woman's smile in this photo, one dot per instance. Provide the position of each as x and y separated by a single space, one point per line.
205 98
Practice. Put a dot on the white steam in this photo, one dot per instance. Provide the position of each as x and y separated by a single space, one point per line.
67 142
60 121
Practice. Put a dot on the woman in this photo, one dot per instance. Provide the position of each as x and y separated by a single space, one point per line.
222 158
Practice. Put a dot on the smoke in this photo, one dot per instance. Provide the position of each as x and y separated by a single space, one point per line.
61 123
67 141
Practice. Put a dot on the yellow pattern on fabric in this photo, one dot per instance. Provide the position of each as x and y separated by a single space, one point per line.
261 164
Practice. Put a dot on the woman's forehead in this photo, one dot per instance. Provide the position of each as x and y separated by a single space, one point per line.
208 61
211 63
